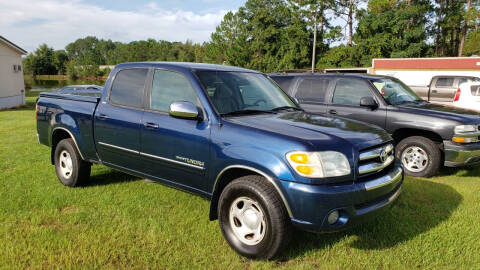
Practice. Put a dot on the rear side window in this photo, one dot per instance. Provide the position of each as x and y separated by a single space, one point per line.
475 90
350 91
168 87
284 82
312 90
128 87
444 82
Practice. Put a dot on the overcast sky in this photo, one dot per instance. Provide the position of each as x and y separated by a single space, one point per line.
29 23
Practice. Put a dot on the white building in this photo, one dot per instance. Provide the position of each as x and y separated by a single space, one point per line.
12 85
419 71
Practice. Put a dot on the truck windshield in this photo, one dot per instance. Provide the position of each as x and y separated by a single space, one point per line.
235 93
395 92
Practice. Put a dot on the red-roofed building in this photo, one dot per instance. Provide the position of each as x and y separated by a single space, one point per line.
419 71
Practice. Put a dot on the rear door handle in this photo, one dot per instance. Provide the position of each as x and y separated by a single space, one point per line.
332 112
102 117
151 125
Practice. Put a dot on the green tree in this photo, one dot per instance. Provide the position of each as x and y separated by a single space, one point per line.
392 28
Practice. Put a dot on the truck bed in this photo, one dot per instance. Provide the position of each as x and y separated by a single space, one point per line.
71 113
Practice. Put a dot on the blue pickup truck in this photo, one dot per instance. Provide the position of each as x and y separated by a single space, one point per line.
233 136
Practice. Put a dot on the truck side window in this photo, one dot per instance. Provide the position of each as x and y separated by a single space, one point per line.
349 92
128 87
168 87
444 82
312 89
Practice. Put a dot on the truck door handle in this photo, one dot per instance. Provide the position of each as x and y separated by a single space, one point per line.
332 112
151 125
434 91
102 117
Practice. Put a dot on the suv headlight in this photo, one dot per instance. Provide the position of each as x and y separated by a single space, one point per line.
466 134
319 164
465 129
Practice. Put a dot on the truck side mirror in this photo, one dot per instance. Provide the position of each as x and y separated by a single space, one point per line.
184 109
368 102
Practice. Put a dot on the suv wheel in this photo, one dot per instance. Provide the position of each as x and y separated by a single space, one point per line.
420 156
253 219
71 170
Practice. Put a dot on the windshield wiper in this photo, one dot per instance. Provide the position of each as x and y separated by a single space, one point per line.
286 108
248 111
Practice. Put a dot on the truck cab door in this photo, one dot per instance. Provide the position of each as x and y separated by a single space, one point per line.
345 101
118 120
442 89
174 149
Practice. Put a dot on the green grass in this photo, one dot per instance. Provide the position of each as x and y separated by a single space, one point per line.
119 221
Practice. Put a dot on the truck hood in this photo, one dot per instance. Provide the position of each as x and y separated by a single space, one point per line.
441 111
316 129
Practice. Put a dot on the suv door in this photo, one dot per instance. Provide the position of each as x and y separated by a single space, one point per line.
311 93
442 89
174 149
345 101
118 120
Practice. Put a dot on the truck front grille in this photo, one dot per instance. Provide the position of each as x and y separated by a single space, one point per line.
375 160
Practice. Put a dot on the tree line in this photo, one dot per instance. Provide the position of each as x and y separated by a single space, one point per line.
274 35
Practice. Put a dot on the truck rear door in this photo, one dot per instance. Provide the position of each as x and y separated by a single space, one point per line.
118 120
443 89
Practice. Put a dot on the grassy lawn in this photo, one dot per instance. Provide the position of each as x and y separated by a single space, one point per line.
119 221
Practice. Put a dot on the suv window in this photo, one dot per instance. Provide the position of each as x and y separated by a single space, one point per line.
284 82
168 87
350 91
444 82
128 87
312 89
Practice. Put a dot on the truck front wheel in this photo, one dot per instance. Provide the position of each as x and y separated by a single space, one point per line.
71 170
252 218
420 156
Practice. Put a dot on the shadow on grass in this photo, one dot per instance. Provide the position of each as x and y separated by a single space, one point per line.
110 177
422 206
470 170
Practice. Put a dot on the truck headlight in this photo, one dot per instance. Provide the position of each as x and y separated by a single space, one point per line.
466 134
465 129
319 164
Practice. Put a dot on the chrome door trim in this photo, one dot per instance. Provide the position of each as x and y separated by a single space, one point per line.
172 161
119 148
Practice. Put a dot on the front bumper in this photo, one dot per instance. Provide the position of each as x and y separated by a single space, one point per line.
311 204
461 154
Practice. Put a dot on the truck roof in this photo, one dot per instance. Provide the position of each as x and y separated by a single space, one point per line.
349 75
186 65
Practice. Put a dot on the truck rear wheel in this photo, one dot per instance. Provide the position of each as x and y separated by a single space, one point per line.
420 156
253 219
71 170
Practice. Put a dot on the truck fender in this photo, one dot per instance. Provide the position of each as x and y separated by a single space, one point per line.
236 159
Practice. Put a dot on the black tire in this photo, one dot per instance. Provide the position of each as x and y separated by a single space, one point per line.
80 170
277 223
429 147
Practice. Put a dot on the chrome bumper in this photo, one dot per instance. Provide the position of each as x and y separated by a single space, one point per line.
393 177
459 155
